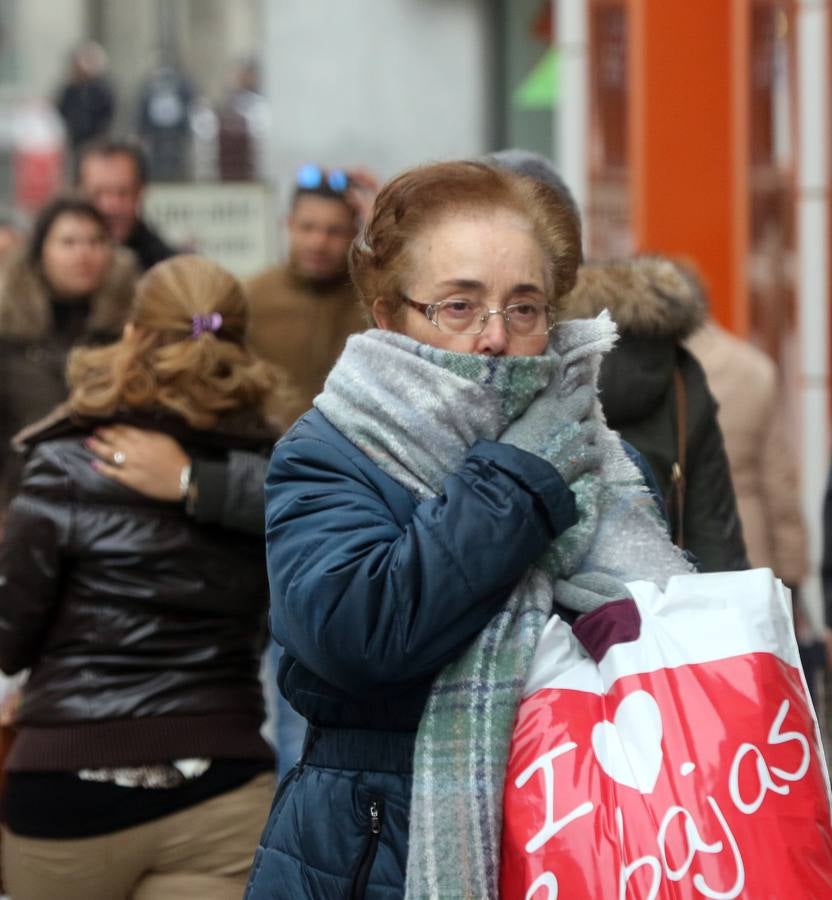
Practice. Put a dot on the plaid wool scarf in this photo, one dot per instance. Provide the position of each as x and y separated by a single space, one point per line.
415 411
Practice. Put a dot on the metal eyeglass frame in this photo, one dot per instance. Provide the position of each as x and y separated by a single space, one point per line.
430 310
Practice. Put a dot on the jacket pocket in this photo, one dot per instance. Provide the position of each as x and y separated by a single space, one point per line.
375 810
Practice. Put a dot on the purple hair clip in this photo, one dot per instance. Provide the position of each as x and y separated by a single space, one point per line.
200 324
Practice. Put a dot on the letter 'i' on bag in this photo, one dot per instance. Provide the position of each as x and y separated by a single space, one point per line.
686 763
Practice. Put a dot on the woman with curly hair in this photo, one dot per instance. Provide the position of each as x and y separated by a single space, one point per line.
138 769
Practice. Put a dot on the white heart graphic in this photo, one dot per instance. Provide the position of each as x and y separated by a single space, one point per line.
629 748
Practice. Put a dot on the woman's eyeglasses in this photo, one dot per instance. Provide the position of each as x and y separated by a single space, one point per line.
455 316
310 177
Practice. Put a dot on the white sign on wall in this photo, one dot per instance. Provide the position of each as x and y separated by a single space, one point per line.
232 223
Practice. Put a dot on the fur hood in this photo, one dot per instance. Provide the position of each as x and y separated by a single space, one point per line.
25 306
647 296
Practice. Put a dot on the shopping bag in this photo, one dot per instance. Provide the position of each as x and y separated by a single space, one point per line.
686 763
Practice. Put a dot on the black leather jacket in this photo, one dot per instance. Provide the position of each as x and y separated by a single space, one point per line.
121 605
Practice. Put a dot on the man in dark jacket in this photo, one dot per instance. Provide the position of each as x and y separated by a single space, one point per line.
113 174
87 102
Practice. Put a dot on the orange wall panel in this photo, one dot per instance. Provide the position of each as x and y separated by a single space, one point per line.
688 138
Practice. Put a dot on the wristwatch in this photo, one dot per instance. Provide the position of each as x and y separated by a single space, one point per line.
188 490
185 480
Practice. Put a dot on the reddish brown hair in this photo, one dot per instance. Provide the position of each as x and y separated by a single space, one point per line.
419 197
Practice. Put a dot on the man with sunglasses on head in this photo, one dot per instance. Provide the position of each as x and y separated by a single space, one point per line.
303 311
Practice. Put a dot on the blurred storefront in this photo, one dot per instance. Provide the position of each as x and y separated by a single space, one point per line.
740 95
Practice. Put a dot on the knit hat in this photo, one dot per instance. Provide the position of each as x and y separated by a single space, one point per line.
536 166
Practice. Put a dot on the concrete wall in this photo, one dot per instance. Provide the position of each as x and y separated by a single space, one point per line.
44 33
381 83
210 34
217 33
129 33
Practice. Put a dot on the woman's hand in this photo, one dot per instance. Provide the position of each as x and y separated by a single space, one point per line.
10 707
149 462
574 450
361 194
570 446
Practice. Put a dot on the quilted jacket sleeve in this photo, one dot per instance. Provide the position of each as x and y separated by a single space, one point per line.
36 530
364 600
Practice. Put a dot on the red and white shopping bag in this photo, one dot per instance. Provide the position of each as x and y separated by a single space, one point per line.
686 763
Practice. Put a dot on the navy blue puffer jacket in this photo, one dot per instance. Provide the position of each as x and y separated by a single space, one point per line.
372 593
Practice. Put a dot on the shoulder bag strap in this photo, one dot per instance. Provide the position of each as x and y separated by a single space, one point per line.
678 471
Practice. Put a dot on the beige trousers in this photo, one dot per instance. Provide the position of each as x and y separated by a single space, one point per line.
201 853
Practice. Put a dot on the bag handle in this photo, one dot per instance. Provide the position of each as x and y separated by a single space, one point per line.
677 472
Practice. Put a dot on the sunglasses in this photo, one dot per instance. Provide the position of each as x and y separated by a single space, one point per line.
311 177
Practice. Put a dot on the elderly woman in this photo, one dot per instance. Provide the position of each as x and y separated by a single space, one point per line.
138 768
67 286
422 521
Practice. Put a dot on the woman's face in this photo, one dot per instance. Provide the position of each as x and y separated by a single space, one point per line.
489 258
76 255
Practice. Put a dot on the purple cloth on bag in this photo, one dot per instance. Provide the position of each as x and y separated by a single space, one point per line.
616 622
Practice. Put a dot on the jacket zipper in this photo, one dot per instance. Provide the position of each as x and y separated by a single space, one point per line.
362 875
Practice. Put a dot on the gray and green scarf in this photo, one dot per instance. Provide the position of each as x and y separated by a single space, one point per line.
415 411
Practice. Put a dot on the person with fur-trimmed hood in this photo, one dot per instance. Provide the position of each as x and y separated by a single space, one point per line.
68 286
647 380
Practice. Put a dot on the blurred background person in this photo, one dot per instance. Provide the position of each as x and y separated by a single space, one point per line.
655 394
138 768
225 490
243 124
113 174
303 311
164 125
744 383
67 285
86 102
